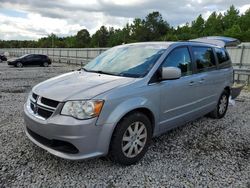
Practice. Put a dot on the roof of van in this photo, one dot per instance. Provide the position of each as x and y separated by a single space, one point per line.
166 44
214 41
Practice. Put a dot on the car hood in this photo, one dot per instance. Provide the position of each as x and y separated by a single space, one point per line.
12 59
79 85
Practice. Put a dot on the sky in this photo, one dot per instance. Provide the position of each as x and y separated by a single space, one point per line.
33 19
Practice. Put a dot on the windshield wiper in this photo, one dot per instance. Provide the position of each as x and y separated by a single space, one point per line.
99 72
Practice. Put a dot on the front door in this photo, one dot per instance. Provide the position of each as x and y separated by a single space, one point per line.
178 97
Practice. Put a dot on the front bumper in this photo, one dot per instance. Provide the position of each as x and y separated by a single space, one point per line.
11 63
91 140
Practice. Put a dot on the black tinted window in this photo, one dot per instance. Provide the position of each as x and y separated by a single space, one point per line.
204 58
221 55
180 58
42 57
29 56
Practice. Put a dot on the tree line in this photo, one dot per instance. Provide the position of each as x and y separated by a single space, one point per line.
152 28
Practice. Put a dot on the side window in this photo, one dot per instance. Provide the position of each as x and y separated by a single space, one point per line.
221 55
42 57
33 56
36 57
204 58
28 57
180 58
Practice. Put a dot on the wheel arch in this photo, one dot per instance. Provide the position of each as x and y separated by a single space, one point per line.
143 110
227 89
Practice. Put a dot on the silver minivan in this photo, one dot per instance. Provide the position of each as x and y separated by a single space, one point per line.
130 93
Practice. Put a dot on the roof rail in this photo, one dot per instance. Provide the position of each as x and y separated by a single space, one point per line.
218 40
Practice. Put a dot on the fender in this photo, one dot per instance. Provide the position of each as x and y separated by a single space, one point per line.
127 106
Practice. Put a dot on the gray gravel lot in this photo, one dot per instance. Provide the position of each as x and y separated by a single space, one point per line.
204 153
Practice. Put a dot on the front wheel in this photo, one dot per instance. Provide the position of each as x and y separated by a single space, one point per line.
19 65
131 139
221 107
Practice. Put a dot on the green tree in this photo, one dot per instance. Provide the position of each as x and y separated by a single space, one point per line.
244 21
70 41
47 42
138 30
213 25
82 38
198 26
184 32
231 17
100 38
234 32
155 26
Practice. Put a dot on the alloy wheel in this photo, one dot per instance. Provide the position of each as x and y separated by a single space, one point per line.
134 139
19 65
45 64
223 104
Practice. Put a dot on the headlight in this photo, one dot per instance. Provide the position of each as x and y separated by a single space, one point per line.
82 109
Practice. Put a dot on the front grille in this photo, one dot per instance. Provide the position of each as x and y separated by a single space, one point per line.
43 107
49 102
34 96
58 145
32 106
44 113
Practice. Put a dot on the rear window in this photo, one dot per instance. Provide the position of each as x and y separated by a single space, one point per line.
222 55
42 56
204 58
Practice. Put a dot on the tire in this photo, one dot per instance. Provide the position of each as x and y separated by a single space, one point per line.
126 147
221 107
45 64
19 65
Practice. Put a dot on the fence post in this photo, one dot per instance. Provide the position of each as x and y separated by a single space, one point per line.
53 54
60 54
68 61
87 59
241 55
76 56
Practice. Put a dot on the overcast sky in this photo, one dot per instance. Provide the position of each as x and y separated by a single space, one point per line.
33 19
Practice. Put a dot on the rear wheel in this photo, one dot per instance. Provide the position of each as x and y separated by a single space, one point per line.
221 107
45 64
19 64
131 139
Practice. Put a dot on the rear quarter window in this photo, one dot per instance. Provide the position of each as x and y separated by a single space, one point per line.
222 55
42 57
204 58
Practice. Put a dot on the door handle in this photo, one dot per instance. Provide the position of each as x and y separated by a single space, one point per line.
191 83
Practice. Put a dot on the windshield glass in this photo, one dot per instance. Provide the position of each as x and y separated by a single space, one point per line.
129 61
24 56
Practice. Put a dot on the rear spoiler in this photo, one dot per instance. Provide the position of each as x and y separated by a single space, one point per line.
218 40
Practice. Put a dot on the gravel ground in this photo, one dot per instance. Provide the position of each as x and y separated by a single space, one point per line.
204 153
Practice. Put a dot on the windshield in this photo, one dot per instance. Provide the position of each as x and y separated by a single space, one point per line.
23 56
128 61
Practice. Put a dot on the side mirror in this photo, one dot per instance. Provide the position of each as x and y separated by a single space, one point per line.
170 73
